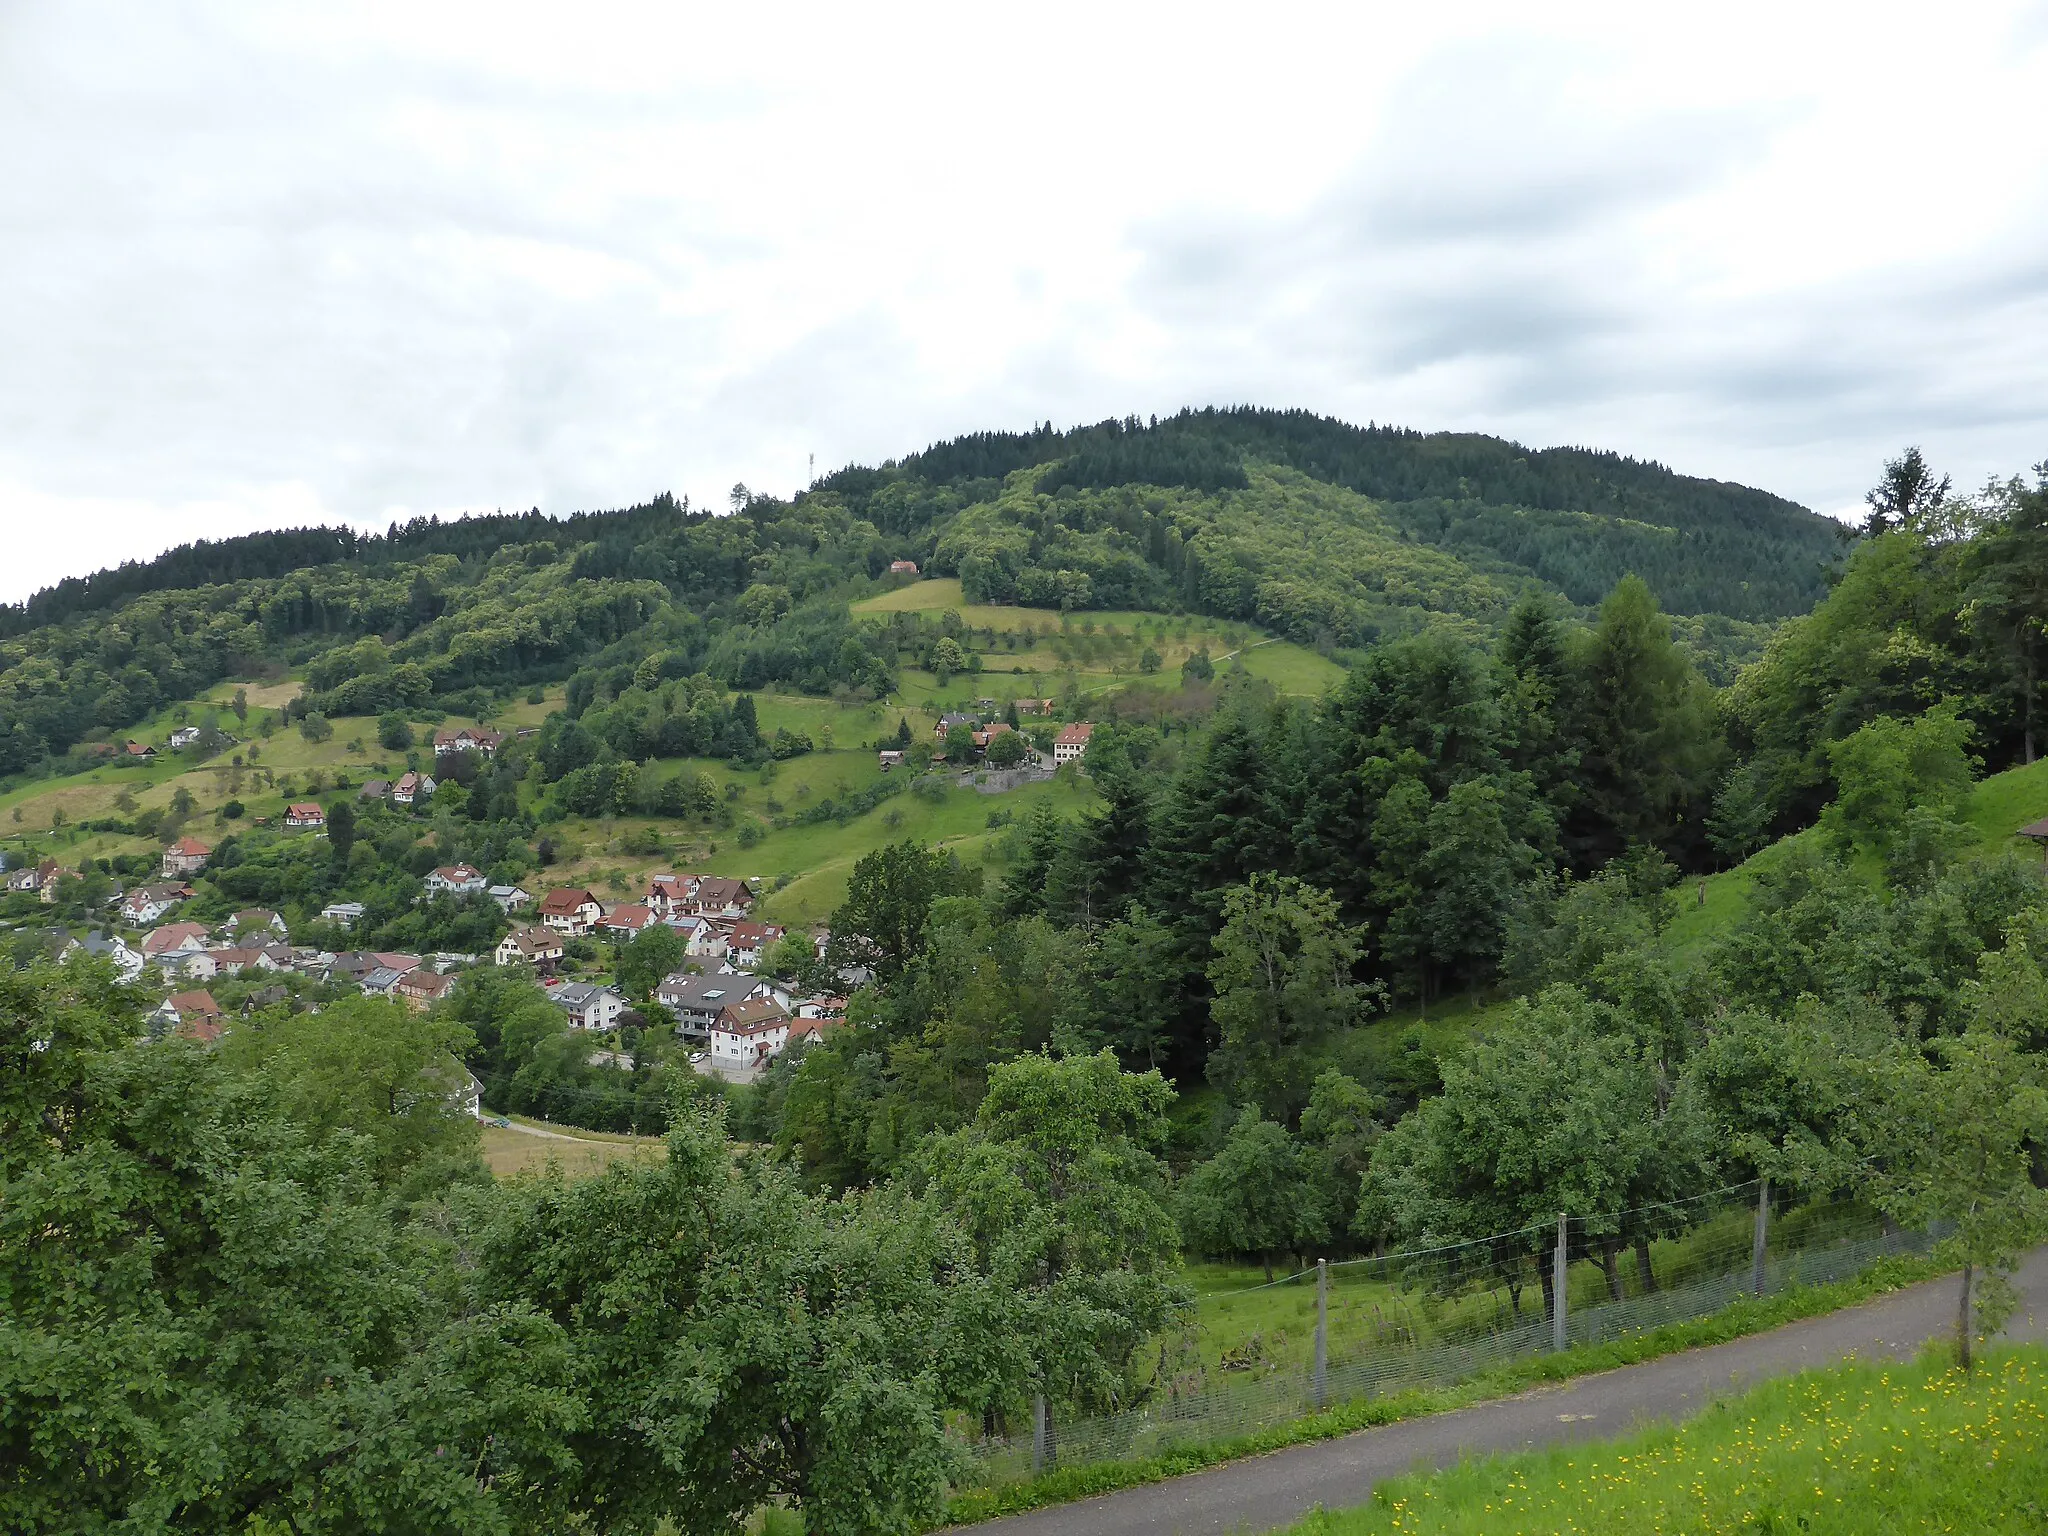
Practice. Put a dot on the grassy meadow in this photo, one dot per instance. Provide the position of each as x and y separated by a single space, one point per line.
1851 1451
1093 651
1997 808
578 1153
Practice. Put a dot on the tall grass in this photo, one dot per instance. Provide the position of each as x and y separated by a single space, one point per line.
1854 1450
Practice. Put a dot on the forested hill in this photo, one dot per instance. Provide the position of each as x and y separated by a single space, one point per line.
1574 518
1328 535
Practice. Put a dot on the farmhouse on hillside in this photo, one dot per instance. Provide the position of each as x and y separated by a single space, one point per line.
187 856
1072 742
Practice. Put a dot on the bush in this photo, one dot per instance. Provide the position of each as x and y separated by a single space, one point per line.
394 733
750 833
233 810
1006 750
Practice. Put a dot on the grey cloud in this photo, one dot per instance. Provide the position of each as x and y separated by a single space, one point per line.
1515 137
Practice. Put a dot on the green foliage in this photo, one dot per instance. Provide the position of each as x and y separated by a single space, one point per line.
1257 1196
1890 768
1057 1186
394 732
1006 750
1557 1111
662 1277
1282 979
651 955
216 1319
372 1069
341 829
882 923
1651 749
1963 1135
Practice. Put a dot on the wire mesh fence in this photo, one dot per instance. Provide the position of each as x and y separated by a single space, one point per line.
1253 1358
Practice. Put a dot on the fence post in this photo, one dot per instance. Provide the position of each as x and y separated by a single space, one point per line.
1756 1243
1322 1334
1559 1305
1039 1435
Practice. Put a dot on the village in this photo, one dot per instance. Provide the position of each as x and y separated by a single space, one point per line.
730 1009
722 1000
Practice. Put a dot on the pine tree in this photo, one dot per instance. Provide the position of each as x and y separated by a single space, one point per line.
1646 718
1216 827
1536 702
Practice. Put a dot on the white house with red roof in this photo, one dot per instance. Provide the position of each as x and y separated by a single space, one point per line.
719 896
455 880
304 816
467 738
747 1033
419 989
667 894
570 910
147 903
589 1006
1072 742
627 920
173 938
534 946
747 943
410 787
195 1015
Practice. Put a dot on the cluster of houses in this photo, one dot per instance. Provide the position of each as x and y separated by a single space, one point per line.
256 940
740 1018
1071 743
720 1003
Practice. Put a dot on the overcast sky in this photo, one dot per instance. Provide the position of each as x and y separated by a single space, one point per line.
267 264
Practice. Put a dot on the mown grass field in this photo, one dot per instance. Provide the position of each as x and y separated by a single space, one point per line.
579 1153
1851 1451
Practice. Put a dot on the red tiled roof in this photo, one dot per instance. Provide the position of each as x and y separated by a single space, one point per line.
171 936
752 1016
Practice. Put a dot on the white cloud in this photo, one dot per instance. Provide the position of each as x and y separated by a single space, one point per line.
265 264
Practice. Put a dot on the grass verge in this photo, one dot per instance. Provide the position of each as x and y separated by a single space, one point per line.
968 1505
1849 1449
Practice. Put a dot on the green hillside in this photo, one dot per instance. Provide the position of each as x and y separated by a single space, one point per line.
1309 530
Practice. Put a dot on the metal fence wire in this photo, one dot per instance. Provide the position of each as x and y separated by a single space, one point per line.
1245 1360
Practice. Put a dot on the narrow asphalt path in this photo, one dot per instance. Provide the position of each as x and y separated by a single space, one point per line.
1267 1492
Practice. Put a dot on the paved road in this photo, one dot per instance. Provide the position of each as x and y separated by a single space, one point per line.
1267 1492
